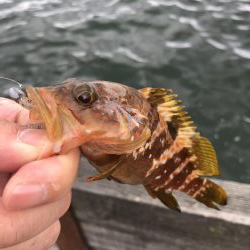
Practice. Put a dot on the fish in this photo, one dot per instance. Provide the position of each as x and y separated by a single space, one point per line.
137 137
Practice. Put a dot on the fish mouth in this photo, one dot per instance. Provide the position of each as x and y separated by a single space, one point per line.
45 110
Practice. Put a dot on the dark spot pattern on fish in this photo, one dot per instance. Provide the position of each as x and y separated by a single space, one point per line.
162 174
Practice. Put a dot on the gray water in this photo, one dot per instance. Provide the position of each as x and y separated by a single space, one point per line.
199 48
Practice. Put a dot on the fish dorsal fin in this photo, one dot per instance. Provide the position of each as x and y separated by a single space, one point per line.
207 163
170 108
157 96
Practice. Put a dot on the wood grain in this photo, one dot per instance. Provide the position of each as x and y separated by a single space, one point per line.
124 217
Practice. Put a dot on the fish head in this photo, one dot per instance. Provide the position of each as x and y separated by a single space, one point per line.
111 116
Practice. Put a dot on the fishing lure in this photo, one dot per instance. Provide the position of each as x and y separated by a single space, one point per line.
131 136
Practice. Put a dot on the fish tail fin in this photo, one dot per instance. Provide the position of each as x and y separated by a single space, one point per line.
206 192
166 197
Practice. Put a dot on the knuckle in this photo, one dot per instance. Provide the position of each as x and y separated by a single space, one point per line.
65 203
9 235
52 235
68 200
13 231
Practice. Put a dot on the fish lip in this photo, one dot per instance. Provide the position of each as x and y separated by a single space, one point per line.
47 111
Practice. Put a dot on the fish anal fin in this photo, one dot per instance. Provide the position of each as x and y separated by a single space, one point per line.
207 163
150 191
168 200
165 197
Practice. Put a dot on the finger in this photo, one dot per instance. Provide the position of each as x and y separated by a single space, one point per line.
42 181
3 180
22 225
12 111
44 240
33 143
17 148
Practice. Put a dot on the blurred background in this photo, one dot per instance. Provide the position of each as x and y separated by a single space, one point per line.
198 48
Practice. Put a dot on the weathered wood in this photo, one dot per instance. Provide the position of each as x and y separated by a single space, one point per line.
124 217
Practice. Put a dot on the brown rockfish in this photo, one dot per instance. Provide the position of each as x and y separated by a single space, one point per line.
131 136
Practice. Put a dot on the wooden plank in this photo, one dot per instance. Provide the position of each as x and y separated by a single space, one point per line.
71 235
116 216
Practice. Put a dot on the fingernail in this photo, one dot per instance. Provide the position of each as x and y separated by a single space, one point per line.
33 137
27 195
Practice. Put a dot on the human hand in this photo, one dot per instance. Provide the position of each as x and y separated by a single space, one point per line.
34 194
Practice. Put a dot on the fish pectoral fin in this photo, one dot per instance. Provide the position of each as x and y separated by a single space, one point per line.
165 197
105 174
207 163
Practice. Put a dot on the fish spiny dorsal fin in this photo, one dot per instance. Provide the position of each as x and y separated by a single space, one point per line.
155 96
171 110
178 120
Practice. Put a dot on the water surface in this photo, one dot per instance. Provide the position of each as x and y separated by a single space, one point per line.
200 49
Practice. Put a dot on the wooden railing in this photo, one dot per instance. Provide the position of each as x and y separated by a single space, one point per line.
122 217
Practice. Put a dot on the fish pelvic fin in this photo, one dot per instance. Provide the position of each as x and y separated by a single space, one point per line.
182 130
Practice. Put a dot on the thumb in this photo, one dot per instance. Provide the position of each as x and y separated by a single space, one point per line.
18 147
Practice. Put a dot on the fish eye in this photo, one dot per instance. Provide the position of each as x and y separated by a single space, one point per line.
84 94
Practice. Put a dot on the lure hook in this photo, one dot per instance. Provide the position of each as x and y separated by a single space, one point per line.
8 79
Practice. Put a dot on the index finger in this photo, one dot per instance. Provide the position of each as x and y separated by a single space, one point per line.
13 112
41 181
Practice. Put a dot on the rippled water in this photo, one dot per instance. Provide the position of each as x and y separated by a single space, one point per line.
200 49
